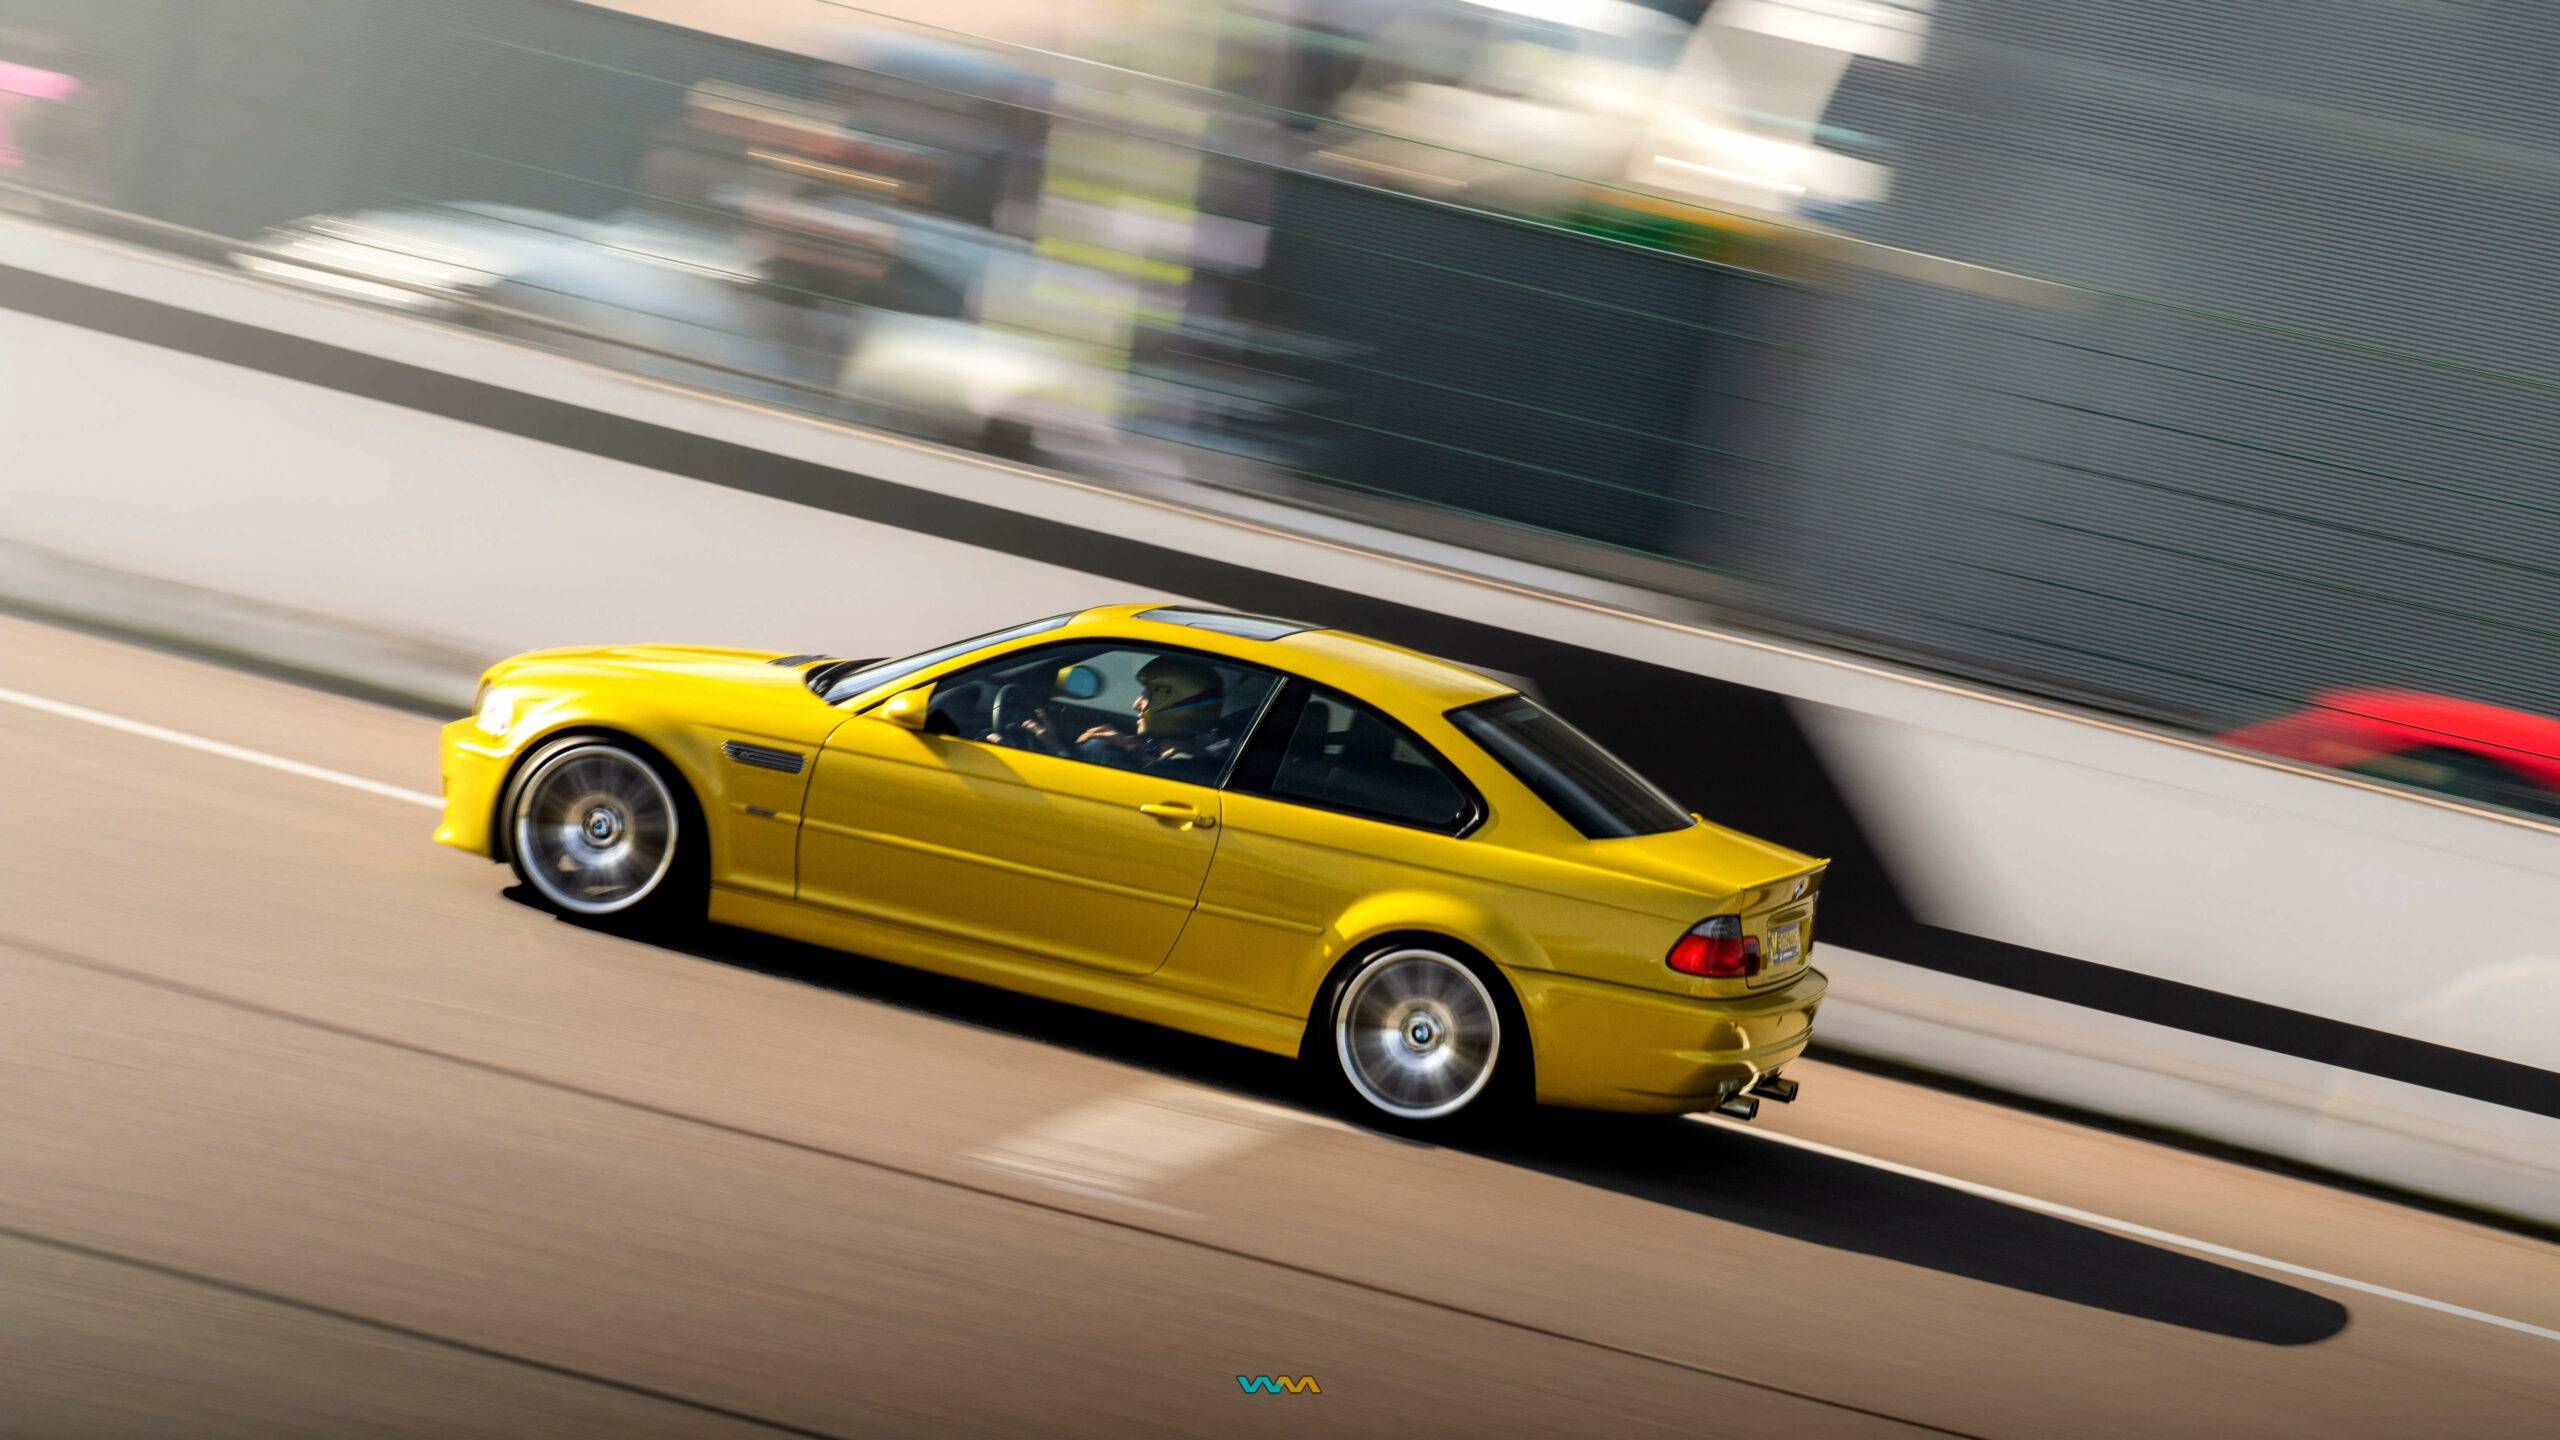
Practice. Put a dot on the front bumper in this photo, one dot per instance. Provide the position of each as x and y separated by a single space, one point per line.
473 766
1612 1047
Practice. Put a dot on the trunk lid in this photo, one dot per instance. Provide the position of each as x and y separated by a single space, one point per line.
1706 858
1769 887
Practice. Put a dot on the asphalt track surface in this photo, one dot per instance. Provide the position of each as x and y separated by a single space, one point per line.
311 1127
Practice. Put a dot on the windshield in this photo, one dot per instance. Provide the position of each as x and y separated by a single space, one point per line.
1591 788
836 689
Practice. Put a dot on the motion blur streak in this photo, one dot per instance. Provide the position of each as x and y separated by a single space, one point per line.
216 747
1739 304
349 1317
85 962
335 1069
2127 1227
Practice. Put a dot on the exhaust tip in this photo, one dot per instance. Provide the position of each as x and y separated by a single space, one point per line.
1773 1088
1740 1107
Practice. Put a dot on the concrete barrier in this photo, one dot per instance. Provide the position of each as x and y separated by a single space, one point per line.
2054 903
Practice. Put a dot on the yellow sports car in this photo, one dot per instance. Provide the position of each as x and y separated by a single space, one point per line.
1406 872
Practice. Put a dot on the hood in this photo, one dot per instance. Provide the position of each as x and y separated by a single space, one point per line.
701 662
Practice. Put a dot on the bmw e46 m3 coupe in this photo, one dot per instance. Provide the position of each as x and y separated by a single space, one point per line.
1406 873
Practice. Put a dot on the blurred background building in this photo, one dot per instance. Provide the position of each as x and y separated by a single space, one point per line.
2185 361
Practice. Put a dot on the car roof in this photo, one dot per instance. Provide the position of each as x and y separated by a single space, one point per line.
1352 663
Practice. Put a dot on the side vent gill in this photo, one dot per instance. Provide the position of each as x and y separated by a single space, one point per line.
786 761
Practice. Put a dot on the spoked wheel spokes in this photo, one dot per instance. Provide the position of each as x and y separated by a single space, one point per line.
595 827
1417 1034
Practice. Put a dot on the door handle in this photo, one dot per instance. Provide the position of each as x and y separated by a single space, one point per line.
1176 810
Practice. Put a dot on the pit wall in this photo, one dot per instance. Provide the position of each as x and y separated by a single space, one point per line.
2047 902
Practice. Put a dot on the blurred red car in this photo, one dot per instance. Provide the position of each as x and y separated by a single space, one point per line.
2460 747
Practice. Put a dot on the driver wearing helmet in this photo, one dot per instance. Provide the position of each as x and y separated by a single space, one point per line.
1176 731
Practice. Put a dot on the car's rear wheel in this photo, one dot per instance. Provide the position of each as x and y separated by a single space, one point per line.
1418 1034
597 829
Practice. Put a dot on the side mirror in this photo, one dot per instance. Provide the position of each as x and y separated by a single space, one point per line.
1079 682
906 708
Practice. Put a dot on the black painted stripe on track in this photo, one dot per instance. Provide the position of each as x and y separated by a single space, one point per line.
1682 729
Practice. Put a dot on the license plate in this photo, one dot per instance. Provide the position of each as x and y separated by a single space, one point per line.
1786 943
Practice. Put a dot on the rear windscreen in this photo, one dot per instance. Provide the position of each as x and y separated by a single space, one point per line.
1592 789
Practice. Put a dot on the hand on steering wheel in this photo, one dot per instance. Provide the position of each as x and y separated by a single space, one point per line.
1012 720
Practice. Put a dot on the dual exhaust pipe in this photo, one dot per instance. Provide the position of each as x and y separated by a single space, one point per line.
1747 1105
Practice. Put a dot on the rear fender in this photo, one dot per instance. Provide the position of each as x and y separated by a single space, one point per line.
1499 939
1423 912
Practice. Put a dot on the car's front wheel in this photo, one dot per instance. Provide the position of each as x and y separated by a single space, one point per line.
1418 1034
598 830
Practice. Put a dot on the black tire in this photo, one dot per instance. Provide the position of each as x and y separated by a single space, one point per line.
1420 1034
600 828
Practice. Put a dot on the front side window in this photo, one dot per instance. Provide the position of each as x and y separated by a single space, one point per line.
1173 713
835 689
1342 755
1592 789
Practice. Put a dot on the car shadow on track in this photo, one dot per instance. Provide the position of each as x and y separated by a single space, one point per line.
1847 1206
1709 1171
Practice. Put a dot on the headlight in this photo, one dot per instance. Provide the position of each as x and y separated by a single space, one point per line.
497 709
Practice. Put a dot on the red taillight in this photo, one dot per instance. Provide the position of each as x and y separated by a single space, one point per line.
1717 949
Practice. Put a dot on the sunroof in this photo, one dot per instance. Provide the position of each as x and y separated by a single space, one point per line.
1245 627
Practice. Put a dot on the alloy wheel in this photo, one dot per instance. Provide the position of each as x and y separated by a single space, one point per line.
595 828
1417 1034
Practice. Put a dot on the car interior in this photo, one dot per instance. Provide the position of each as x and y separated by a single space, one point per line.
1340 755
1043 700
1345 757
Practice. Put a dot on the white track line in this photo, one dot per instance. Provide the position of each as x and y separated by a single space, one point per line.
2127 1227
216 747
1987 1192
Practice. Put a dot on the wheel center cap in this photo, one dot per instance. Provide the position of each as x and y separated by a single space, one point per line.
1421 1032
602 826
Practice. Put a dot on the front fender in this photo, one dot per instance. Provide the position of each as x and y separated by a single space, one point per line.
541 719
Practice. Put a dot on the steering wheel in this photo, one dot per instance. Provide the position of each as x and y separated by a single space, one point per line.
1009 715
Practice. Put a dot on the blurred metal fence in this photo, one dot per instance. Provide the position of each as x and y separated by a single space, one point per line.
2272 424
2289 432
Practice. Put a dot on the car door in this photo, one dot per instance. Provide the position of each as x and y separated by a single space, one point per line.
1033 813
1334 803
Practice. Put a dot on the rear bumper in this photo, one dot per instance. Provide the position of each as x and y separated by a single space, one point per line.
1610 1047
472 769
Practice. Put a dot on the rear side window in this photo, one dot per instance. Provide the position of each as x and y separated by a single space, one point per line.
1592 789
1342 755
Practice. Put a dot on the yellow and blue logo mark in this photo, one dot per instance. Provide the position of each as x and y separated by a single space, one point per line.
1268 1385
